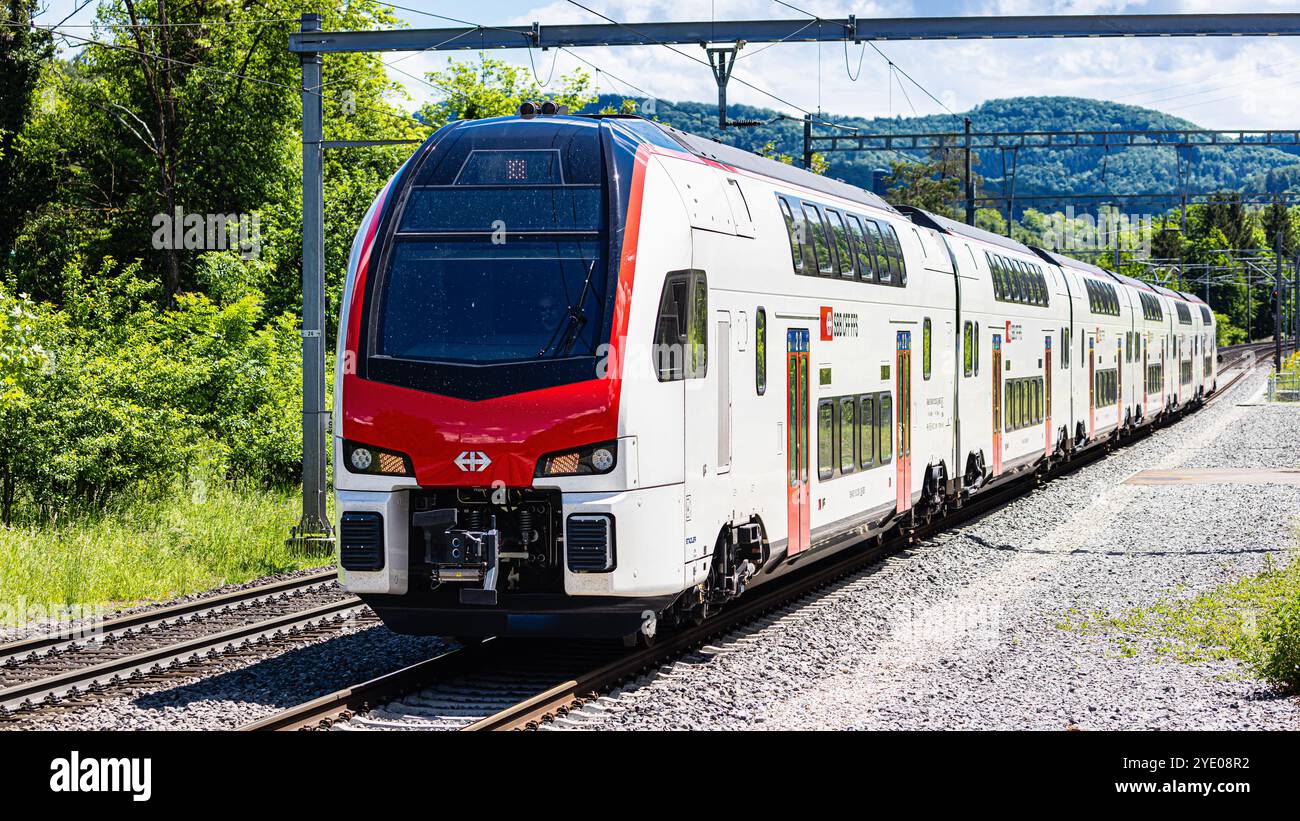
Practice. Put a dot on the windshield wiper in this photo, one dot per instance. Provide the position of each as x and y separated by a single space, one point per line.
575 320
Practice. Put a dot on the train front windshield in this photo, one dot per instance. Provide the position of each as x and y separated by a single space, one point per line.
474 301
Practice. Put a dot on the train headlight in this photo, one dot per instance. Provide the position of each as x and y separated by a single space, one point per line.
376 461
588 461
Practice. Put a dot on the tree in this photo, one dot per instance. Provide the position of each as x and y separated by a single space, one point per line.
495 88
935 185
1279 230
769 150
24 52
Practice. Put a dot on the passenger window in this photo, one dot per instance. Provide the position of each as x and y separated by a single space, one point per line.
795 233
898 263
884 268
848 425
925 349
886 429
817 232
862 250
977 349
760 351
866 427
843 252
825 439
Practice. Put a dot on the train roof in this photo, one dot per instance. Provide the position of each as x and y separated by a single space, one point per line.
739 158
1135 283
1077 264
961 229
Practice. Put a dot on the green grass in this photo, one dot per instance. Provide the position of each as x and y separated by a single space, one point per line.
1254 620
148 549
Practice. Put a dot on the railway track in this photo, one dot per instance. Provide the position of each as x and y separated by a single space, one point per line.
495 685
65 669
504 684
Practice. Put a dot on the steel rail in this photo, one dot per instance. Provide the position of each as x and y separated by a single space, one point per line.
72 682
68 634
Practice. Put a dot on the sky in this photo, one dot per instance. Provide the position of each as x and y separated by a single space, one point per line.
1221 83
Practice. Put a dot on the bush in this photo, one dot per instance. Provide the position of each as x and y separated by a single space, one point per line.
1280 663
126 396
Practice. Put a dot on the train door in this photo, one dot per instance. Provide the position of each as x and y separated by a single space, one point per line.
1047 395
997 404
706 445
1178 373
1119 383
1092 385
796 446
1146 388
904 393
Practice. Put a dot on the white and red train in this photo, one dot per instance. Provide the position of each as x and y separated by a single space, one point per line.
595 374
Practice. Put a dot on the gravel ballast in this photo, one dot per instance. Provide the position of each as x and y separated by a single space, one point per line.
965 630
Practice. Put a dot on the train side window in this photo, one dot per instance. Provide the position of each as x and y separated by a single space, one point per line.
825 439
817 233
968 349
866 265
977 349
697 364
899 262
886 429
866 431
995 274
681 331
760 350
843 251
926 344
848 427
884 270
795 231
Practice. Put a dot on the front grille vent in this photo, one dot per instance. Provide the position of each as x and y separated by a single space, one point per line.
589 544
361 541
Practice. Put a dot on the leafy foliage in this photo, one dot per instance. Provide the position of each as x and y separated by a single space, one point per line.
494 88
131 396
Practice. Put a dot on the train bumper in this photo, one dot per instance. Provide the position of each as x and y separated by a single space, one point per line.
639 572
550 616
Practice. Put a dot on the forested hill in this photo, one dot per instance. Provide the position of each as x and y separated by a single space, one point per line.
1087 170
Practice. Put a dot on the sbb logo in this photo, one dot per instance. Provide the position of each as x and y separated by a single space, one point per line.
828 324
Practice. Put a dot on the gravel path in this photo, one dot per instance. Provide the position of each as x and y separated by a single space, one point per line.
963 632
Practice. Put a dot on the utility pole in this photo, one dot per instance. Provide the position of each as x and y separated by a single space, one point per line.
1295 300
721 60
970 180
1277 305
313 530
807 142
